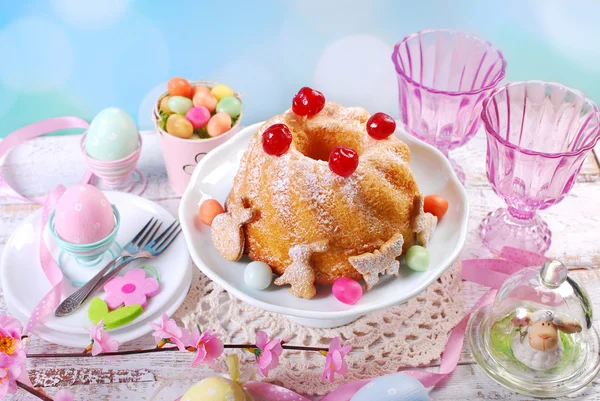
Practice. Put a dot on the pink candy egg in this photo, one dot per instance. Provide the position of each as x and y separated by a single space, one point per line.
218 124
205 99
347 290
198 116
83 215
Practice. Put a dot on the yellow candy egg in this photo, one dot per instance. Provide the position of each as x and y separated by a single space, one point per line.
218 124
205 99
164 105
215 389
221 91
179 126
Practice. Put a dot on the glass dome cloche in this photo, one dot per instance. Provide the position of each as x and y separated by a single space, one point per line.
537 337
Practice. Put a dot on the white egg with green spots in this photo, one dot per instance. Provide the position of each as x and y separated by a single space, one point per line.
258 275
112 135
417 258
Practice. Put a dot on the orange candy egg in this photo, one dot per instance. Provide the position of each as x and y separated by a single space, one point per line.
164 105
179 126
436 205
209 209
218 124
201 88
180 87
205 99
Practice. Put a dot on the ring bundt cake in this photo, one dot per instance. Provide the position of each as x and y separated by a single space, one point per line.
324 192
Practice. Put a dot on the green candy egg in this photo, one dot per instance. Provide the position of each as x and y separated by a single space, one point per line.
417 258
180 104
230 105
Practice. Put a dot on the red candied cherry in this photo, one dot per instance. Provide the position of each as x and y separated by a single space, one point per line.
276 139
308 102
343 161
380 126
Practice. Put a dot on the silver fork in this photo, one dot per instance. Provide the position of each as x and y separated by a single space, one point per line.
143 245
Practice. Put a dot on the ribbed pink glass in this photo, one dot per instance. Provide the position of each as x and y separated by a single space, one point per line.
443 77
538 136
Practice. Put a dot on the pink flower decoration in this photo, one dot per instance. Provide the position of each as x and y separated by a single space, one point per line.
63 395
9 373
131 289
10 338
269 352
208 345
334 360
168 330
101 341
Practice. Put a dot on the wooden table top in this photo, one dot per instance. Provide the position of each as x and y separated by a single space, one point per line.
41 164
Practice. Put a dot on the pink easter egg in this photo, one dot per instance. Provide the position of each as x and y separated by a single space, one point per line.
198 116
83 215
347 290
219 124
205 99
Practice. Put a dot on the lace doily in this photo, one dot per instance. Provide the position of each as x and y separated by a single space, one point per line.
407 335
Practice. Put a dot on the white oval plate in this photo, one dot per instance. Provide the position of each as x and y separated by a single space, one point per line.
25 284
213 178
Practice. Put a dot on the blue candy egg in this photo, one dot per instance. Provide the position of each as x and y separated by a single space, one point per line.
396 387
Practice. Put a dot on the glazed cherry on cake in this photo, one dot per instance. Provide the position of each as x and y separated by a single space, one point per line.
308 102
381 126
277 139
343 161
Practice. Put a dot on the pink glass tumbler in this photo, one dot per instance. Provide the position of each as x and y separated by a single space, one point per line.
443 78
538 136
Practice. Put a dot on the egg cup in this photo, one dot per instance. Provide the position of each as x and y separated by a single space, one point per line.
117 174
87 255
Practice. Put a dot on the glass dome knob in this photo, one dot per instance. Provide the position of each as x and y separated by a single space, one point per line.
553 274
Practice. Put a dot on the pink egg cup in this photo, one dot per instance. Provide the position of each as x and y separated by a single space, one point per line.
443 78
538 135
117 174
182 155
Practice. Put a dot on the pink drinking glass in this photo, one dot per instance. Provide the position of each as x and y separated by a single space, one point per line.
538 136
443 77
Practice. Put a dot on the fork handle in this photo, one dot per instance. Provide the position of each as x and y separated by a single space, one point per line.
75 300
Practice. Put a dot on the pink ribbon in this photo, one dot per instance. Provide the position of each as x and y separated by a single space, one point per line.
51 300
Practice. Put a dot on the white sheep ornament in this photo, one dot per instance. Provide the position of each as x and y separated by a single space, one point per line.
540 347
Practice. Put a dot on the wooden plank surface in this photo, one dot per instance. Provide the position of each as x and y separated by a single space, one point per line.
39 165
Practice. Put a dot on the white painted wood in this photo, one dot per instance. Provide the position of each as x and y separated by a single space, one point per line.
41 164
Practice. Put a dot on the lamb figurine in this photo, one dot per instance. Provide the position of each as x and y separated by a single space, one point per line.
540 347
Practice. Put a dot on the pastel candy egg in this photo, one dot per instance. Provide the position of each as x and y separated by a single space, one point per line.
164 105
215 389
198 116
112 135
230 105
218 124
180 87
205 99
395 387
221 91
180 104
201 88
417 258
258 275
83 215
209 209
179 126
347 290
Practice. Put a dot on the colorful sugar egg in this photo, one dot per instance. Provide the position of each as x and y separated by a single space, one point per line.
164 105
258 275
221 91
215 389
180 87
83 215
347 291
417 258
179 126
201 88
230 105
436 205
209 209
180 104
199 116
219 124
112 135
205 99
396 387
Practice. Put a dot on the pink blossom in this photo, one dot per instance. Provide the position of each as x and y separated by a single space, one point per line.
9 373
102 341
168 330
132 289
208 345
334 360
63 395
10 338
268 353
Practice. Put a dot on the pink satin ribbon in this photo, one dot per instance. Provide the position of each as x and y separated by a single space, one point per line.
51 300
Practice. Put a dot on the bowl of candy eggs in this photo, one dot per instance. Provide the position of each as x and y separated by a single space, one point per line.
192 119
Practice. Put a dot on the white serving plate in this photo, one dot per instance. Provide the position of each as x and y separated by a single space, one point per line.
213 178
24 282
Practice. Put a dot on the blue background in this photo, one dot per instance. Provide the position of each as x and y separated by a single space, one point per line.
76 57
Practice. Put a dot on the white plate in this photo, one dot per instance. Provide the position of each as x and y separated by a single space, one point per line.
213 178
25 284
